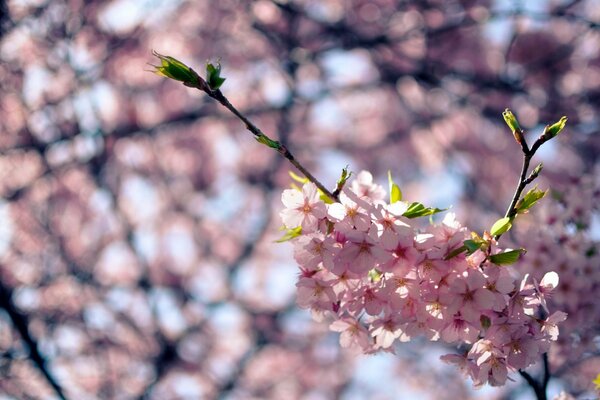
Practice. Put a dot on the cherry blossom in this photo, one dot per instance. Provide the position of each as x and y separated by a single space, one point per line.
302 208
381 280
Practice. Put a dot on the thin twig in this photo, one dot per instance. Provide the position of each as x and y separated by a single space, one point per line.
281 149
538 387
524 180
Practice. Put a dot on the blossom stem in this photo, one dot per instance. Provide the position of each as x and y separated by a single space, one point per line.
258 134
524 180
538 387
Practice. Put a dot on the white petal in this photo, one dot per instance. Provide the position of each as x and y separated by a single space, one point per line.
550 280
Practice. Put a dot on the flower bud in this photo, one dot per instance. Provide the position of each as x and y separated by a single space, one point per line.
514 126
552 130
175 69
511 120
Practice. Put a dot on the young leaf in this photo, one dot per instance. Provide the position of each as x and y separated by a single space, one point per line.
416 210
513 124
530 198
213 75
298 178
455 252
501 226
507 258
264 139
343 179
511 120
554 129
174 69
473 245
395 192
324 198
290 234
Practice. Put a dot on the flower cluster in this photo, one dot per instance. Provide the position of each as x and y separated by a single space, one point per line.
364 264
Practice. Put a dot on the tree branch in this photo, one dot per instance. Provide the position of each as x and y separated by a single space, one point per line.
258 134
524 180
21 323
538 387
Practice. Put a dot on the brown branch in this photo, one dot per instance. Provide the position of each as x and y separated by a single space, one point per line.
258 134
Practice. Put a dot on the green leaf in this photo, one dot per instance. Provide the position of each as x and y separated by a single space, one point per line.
416 210
324 198
455 252
508 257
343 178
501 226
511 120
213 76
473 245
298 178
556 128
395 192
174 69
530 198
290 234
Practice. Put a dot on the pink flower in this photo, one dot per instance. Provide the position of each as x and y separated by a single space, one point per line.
522 302
303 209
353 332
403 256
494 371
389 226
314 292
364 187
424 325
402 285
385 331
545 287
433 268
350 213
465 366
482 350
457 328
373 301
312 250
500 284
550 325
450 232
362 253
523 350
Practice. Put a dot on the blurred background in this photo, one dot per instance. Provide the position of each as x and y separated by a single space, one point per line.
138 217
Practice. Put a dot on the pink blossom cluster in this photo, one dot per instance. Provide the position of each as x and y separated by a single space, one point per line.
381 279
